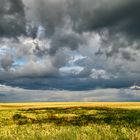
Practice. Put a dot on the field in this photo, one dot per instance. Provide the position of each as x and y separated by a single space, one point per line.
70 121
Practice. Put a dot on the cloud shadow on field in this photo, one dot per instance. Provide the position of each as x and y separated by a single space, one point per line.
79 116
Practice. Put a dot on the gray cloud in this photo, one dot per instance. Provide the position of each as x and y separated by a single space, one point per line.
91 15
12 18
117 16
6 62
70 40
52 34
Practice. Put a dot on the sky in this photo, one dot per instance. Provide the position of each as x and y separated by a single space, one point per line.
89 49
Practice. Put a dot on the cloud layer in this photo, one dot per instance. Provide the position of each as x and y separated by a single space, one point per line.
69 44
10 94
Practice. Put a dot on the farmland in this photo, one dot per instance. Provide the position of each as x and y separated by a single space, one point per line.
70 121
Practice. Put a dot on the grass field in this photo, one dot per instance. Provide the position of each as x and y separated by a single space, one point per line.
70 121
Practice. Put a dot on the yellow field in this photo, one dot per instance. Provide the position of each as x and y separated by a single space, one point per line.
70 121
128 105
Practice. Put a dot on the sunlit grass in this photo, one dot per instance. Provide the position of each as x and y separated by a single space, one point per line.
129 105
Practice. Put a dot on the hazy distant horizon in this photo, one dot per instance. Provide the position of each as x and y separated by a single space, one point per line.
16 94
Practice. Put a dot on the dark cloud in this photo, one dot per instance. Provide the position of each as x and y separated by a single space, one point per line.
68 40
48 13
12 18
117 23
117 16
90 15
128 56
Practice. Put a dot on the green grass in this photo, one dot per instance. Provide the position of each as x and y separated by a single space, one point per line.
70 123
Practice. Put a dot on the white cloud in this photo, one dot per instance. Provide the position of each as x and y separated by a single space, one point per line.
68 70
101 74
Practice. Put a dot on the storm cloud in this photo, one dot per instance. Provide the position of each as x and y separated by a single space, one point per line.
117 16
82 44
12 18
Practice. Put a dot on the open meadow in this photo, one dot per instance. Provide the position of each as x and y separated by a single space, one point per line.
70 121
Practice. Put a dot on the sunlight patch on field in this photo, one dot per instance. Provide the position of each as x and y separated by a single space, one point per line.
131 105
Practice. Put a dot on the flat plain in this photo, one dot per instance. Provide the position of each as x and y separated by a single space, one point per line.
70 121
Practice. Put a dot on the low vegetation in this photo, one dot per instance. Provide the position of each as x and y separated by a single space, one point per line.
70 123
